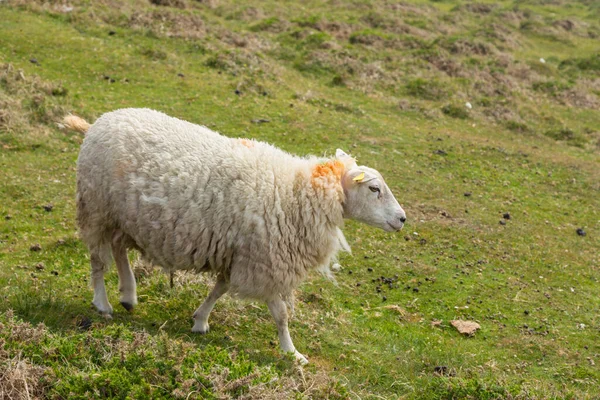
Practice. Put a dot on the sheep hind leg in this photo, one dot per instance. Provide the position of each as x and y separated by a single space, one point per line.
279 312
99 266
202 313
127 286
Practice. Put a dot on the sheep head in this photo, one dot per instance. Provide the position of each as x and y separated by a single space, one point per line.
367 198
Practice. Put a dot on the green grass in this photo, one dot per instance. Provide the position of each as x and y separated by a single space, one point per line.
388 84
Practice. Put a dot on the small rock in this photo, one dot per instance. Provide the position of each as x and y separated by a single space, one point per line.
502 222
506 215
40 266
33 60
48 207
35 247
465 327
581 232
384 298
60 242
542 61
440 152
370 269
468 105
357 283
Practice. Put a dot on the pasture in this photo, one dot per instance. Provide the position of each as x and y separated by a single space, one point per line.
502 196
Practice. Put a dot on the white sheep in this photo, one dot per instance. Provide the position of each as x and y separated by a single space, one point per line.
187 198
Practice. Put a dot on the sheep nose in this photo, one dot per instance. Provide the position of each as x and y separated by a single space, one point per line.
403 219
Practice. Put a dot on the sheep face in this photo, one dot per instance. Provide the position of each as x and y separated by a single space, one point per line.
367 198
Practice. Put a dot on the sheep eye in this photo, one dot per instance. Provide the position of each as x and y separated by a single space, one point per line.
374 189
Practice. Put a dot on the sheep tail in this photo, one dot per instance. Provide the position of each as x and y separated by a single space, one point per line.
75 123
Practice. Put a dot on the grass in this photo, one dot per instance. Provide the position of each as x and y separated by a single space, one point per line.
386 82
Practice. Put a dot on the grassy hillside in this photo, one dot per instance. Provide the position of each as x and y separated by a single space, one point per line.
484 118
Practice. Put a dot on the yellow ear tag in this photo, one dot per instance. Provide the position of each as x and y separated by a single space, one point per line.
359 177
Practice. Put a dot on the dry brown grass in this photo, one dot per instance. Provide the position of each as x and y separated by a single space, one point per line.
580 96
19 379
165 22
28 104
170 3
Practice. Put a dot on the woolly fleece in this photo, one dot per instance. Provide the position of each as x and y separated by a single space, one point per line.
189 198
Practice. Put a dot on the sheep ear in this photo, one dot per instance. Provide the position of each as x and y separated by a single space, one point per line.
347 160
339 153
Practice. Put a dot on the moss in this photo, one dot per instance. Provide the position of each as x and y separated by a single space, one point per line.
568 135
587 64
426 89
551 87
455 111
265 24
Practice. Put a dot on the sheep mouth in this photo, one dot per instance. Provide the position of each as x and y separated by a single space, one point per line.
395 228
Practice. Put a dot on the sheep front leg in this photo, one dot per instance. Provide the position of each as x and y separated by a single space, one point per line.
279 312
201 314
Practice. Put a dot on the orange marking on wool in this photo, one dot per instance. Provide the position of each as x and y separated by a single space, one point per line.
248 143
330 170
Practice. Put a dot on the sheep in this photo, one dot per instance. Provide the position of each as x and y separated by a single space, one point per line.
188 198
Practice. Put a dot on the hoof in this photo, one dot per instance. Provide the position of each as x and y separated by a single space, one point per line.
200 328
105 310
127 306
300 358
